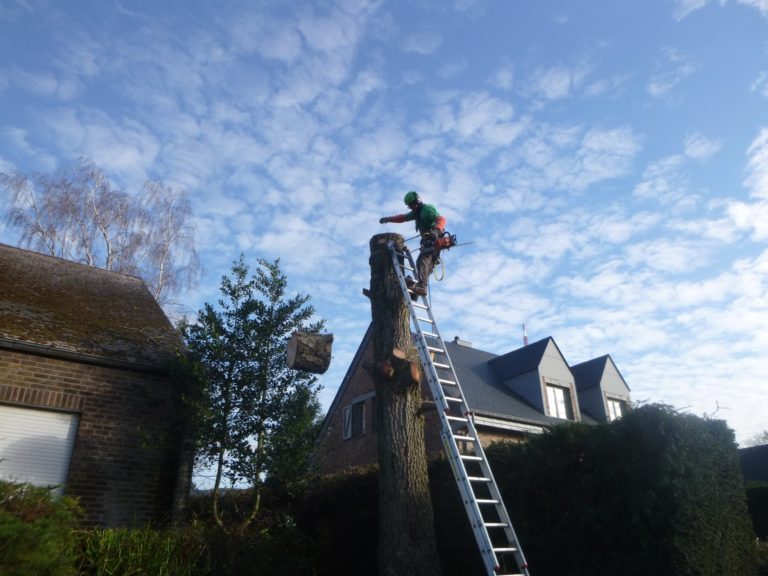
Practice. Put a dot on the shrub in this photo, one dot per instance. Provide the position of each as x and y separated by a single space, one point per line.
141 551
36 531
656 492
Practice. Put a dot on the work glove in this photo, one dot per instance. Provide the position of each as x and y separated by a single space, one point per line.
384 220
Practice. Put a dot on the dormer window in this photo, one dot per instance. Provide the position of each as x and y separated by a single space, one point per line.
616 408
559 401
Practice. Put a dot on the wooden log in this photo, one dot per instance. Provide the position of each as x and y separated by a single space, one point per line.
309 352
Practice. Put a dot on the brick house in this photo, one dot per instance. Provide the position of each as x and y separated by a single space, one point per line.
511 396
86 401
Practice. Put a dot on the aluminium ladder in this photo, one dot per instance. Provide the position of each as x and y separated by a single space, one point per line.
479 492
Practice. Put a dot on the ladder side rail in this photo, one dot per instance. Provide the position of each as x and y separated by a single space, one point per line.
469 498
493 488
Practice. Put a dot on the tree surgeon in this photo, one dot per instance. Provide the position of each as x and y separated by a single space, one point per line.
431 227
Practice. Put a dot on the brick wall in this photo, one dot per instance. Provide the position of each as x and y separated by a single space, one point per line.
124 458
334 454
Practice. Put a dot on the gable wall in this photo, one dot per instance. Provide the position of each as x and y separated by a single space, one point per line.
612 383
124 458
554 369
333 452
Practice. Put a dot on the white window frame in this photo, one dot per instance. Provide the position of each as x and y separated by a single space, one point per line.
559 401
352 426
346 422
612 404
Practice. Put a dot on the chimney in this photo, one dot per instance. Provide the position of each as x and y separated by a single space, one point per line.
525 336
459 342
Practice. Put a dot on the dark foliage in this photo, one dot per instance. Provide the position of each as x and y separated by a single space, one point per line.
656 492
36 532
757 502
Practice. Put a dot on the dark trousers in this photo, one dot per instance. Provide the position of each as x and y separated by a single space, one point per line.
425 263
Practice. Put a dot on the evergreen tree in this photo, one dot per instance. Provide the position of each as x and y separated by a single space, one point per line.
258 417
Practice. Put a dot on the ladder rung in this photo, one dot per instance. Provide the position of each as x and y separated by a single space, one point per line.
446 382
481 501
471 458
478 479
429 334
441 366
465 438
453 399
505 550
495 524
422 319
456 418
418 305
437 350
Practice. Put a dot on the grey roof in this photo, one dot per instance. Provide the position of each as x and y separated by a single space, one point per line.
589 373
57 306
520 361
482 388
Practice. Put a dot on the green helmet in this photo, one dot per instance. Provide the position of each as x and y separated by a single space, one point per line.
411 197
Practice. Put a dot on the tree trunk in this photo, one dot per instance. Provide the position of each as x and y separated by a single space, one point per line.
406 531
309 352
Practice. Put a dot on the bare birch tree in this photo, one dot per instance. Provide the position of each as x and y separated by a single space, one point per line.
77 214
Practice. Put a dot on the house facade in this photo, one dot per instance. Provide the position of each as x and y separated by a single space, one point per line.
511 396
86 401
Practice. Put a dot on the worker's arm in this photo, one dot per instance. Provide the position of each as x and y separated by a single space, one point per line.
398 218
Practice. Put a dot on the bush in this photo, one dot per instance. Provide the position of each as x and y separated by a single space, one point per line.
36 532
653 493
762 558
757 501
273 544
142 552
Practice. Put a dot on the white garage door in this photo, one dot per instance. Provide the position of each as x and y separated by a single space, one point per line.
36 445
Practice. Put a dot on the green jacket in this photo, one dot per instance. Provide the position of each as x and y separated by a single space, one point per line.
425 216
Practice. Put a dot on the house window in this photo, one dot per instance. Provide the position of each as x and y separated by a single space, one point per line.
353 420
616 408
559 400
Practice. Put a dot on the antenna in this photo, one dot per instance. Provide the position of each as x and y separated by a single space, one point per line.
525 336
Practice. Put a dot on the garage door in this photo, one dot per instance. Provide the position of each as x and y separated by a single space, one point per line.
36 445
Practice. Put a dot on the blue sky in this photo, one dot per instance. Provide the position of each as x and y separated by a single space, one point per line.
609 160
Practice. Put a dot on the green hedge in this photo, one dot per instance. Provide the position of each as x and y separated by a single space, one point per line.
656 492
757 502
36 532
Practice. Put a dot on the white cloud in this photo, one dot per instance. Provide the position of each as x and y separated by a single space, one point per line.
760 85
683 8
757 165
610 87
669 255
760 5
664 180
503 78
699 147
424 43
674 68
556 82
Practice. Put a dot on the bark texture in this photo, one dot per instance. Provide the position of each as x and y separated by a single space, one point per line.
309 352
406 531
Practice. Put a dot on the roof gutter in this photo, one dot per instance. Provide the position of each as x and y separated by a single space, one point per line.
47 351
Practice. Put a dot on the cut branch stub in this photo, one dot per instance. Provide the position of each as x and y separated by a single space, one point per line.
309 352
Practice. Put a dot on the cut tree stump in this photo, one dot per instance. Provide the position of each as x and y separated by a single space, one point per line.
310 352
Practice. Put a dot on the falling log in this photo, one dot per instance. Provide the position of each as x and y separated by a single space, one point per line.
310 352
